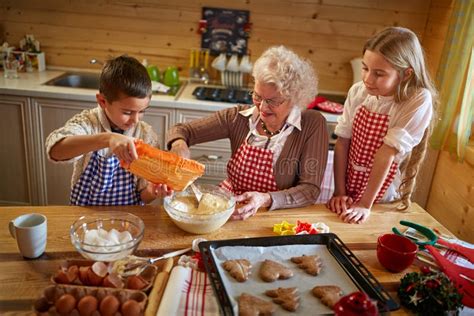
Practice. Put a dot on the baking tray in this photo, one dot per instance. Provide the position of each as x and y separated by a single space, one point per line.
357 273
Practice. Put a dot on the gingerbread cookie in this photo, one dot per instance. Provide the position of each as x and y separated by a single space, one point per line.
288 298
239 269
253 306
311 264
328 294
271 271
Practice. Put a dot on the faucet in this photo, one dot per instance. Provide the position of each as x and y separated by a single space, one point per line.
95 61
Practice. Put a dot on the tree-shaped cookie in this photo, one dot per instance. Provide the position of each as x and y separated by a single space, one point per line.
239 269
311 264
288 298
271 271
253 306
328 294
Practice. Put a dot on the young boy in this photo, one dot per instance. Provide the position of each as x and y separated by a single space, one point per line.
96 139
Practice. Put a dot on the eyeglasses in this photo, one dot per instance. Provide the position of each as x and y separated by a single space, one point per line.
270 102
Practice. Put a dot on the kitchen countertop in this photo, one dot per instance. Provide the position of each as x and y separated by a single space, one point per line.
32 85
23 281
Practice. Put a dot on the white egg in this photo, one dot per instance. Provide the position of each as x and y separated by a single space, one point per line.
125 236
91 236
114 236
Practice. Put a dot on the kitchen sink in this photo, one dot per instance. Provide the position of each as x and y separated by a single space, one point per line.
76 80
88 80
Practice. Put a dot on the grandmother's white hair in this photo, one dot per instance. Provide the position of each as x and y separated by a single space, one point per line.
294 77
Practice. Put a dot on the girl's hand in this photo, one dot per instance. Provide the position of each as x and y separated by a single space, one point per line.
160 190
357 214
252 202
339 204
123 147
180 148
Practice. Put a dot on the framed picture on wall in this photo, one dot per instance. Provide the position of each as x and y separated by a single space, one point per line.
225 30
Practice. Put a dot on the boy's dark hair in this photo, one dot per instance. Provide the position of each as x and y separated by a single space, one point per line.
124 75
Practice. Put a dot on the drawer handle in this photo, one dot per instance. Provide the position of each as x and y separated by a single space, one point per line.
209 157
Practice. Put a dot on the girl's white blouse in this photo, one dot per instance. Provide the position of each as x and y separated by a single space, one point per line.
408 121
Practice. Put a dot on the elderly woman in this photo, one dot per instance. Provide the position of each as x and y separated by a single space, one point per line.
279 151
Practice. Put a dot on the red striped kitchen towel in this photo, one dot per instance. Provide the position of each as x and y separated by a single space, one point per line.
189 293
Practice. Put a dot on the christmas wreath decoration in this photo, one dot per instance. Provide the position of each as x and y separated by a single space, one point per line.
429 293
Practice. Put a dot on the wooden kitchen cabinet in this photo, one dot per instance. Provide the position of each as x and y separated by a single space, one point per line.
56 177
214 155
161 118
17 182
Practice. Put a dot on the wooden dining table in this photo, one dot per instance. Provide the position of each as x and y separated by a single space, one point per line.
22 280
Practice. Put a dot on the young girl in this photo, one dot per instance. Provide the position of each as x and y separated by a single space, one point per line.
385 126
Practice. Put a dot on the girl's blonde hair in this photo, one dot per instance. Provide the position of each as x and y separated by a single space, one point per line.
401 48
293 76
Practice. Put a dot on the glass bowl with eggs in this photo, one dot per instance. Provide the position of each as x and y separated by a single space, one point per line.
205 216
107 236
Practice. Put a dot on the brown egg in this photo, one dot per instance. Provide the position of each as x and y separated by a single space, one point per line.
109 305
65 304
136 282
130 308
87 305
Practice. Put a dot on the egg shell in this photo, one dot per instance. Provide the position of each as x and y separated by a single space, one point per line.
113 280
87 305
130 308
83 275
72 273
65 304
109 305
93 278
61 277
136 282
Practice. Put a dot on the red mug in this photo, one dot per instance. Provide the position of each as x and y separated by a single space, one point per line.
395 252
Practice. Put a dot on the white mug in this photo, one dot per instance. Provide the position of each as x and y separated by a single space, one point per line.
30 232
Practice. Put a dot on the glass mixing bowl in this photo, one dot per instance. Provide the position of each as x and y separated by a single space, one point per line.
217 205
107 236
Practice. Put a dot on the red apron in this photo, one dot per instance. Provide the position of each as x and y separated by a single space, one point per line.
368 131
250 169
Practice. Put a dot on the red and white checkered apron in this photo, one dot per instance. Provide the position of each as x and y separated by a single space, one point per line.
250 169
368 132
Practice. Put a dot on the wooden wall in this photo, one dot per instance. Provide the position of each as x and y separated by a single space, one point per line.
451 199
433 42
329 32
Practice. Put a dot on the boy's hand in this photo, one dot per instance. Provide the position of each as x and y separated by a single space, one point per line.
251 201
160 190
356 214
180 148
123 147
339 204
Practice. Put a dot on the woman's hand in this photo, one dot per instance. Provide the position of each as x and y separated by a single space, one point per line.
356 214
251 201
180 148
123 147
339 204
